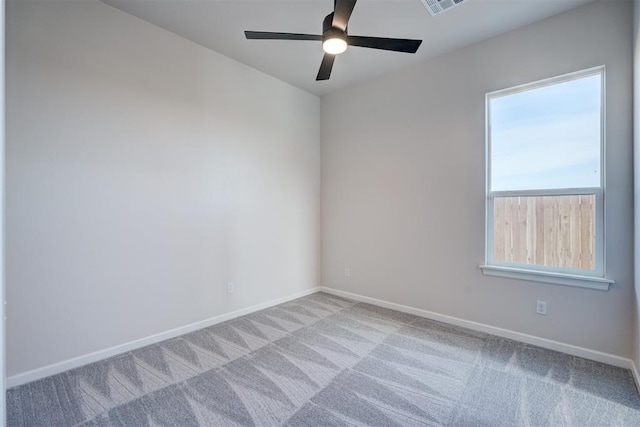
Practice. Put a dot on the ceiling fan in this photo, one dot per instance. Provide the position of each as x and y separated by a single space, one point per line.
335 39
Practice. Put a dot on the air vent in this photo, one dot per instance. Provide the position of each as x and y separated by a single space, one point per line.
438 6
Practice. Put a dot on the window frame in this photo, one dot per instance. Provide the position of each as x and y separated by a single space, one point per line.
594 279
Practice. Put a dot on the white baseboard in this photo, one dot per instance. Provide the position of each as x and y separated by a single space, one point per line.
636 375
573 350
76 362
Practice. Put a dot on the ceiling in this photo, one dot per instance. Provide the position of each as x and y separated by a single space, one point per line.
220 24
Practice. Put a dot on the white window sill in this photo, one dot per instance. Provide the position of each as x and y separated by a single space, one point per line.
589 282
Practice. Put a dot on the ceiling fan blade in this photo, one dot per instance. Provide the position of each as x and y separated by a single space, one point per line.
342 12
397 45
265 35
325 67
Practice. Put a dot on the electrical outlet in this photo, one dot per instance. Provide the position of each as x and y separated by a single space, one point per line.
541 307
347 272
230 287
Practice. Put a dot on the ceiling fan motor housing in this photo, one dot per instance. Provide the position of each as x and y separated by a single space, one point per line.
331 32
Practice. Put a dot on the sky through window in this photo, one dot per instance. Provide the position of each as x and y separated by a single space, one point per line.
548 137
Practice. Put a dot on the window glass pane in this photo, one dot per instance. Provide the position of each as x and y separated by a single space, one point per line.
548 137
557 231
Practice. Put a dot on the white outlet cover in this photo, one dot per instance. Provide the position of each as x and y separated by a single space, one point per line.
230 287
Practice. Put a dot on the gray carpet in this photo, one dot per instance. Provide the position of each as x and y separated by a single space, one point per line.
327 361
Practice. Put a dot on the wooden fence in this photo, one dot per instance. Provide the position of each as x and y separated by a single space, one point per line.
551 230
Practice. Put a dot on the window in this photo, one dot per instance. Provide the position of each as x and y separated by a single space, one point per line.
545 192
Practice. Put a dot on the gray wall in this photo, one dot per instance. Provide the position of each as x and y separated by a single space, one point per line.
636 162
143 173
2 228
403 193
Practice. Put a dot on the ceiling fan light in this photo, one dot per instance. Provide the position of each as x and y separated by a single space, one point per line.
334 45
